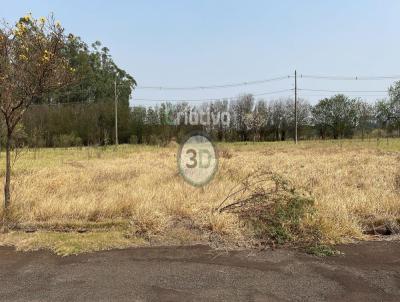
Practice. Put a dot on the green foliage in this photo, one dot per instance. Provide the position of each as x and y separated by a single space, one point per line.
133 140
394 93
67 140
321 250
154 140
281 221
93 117
388 111
336 116
274 210
96 72
251 120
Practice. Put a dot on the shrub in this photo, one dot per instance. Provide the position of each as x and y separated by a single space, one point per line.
133 140
274 210
154 140
67 140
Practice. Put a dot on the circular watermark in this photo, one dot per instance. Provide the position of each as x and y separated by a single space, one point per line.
197 159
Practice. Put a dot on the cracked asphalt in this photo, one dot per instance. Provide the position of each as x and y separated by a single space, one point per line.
367 271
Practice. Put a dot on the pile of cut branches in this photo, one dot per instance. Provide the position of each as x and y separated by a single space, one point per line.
273 208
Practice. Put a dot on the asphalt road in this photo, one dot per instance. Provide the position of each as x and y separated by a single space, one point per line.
368 271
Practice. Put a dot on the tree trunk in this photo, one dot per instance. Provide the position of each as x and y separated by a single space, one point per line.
283 135
7 183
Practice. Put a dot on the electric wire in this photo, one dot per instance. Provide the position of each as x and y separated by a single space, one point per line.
350 78
216 86
344 91
246 83
210 99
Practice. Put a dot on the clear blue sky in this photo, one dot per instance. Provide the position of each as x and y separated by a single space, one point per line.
186 43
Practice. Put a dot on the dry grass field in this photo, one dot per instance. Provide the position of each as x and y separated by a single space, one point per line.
72 200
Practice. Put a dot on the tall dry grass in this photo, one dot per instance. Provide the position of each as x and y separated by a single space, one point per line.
353 184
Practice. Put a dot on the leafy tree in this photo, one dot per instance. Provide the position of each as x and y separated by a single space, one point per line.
336 116
383 113
365 117
278 119
240 109
257 119
32 64
92 119
138 123
394 107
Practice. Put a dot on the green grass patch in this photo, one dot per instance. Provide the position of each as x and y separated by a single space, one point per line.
65 244
321 250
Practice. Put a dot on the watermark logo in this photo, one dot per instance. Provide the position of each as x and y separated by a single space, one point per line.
197 159
200 117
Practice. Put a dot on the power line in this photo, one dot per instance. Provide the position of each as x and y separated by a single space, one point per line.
359 95
344 91
350 78
209 99
167 100
273 92
216 86
319 77
228 98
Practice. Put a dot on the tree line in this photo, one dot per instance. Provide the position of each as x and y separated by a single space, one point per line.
83 113
91 122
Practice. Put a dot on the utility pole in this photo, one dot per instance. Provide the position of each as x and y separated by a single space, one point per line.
116 113
295 106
